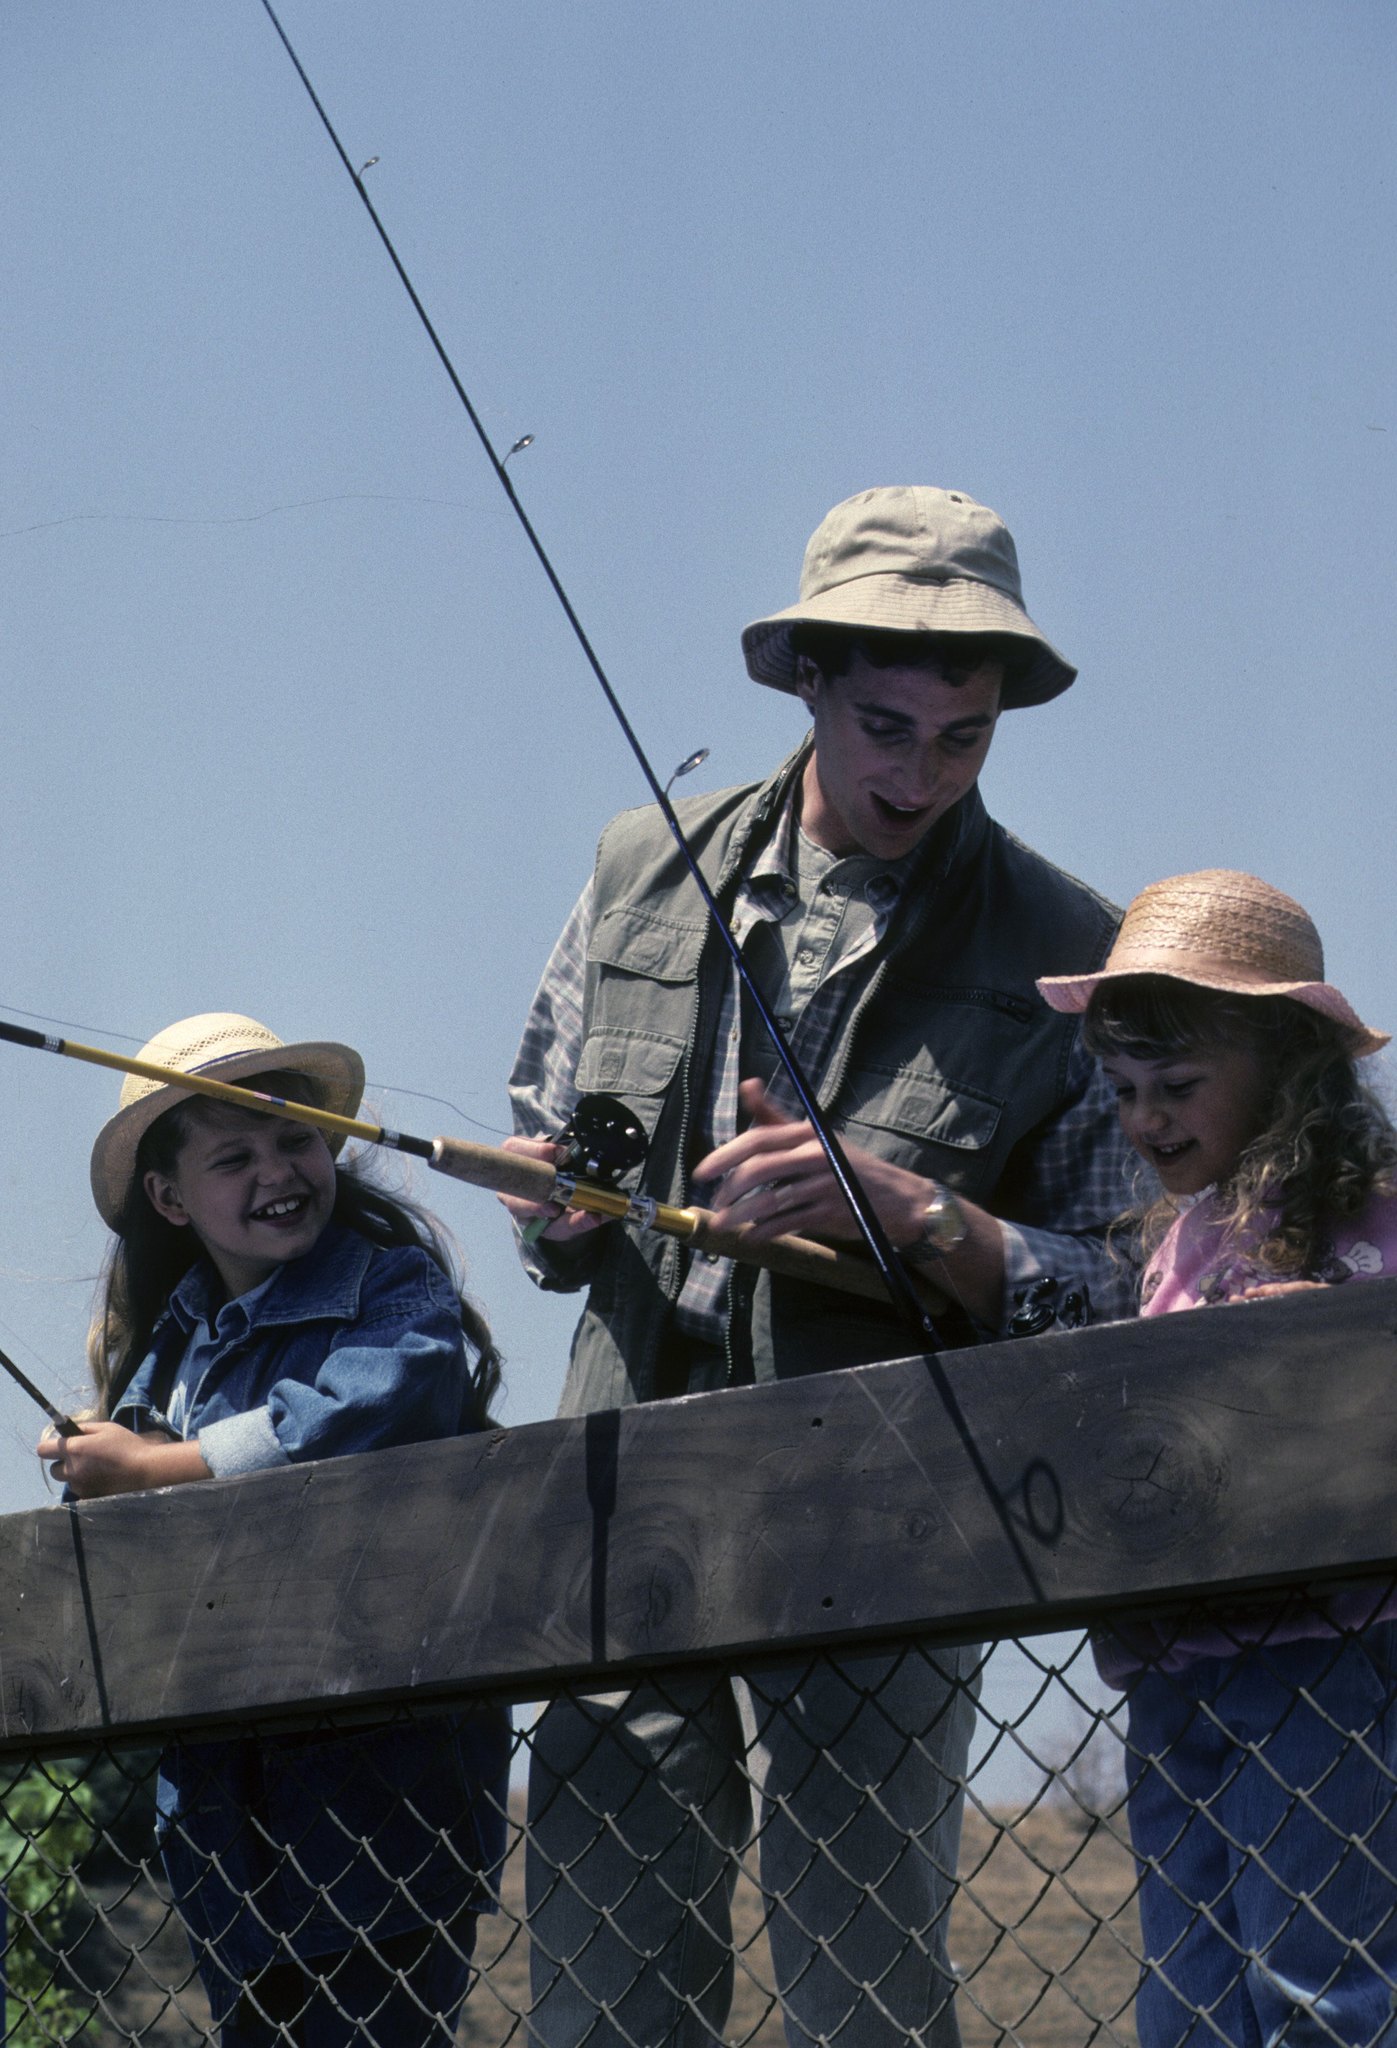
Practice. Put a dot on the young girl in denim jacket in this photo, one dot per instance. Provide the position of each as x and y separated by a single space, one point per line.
263 1306
1262 1743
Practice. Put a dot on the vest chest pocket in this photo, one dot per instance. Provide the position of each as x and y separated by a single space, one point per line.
663 949
640 1005
636 1065
922 1120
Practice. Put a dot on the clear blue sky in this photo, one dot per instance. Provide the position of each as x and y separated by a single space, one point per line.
293 724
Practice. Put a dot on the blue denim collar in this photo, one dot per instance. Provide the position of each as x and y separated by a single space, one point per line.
325 1285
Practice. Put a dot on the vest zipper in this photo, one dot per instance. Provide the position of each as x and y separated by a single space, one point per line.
672 1257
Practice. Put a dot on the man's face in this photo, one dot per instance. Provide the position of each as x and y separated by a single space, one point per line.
895 748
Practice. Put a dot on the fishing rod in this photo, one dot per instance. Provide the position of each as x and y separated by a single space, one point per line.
602 1143
63 1424
897 1283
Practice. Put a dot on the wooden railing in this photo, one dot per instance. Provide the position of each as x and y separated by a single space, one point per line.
992 1492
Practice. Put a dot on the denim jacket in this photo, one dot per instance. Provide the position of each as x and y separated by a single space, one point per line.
352 1348
283 1846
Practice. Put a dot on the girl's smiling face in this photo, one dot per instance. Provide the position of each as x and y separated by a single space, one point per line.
1191 1115
256 1191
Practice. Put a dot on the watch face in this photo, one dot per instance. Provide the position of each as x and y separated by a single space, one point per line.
943 1223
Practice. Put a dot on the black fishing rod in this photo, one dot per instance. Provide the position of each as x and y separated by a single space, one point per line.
64 1424
895 1276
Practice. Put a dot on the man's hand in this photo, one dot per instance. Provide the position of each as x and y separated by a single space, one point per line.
108 1458
775 1179
561 1226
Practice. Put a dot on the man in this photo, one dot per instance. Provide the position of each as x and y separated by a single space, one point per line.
896 932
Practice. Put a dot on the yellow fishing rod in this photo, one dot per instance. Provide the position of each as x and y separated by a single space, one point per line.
603 1142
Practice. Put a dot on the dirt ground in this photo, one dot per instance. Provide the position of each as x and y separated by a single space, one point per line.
1041 1936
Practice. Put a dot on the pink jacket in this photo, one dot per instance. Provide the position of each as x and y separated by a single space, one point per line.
1193 1268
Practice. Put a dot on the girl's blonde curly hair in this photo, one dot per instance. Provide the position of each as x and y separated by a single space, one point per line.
1327 1144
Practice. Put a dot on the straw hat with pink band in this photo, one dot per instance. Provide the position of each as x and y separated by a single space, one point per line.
1223 930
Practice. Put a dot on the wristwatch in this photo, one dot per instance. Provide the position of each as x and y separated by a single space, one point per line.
944 1227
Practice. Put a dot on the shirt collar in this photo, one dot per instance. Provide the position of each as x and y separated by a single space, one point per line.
324 1284
775 865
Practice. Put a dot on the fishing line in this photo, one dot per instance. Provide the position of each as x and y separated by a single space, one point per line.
891 1267
378 1088
67 1024
370 1087
232 518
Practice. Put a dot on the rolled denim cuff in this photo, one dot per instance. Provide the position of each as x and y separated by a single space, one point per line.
241 1443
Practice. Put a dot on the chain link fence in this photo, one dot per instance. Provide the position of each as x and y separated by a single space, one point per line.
884 1845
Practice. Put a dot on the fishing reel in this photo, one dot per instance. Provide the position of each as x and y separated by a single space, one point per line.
604 1141
1045 1305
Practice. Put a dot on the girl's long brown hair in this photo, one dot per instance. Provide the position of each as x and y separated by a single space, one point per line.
148 1257
1327 1145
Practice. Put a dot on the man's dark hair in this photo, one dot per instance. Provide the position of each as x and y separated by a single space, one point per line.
957 655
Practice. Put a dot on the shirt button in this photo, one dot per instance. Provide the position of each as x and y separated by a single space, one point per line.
710 1258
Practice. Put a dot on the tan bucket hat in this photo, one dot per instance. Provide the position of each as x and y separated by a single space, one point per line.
1224 930
909 558
230 1048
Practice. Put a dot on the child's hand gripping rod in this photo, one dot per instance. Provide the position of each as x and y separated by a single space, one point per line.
506 1173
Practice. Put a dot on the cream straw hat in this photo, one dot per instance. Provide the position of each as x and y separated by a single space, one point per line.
1223 930
229 1048
909 558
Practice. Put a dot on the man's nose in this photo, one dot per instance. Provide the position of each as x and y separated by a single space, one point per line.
918 779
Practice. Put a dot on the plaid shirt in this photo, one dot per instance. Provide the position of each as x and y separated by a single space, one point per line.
1076 1181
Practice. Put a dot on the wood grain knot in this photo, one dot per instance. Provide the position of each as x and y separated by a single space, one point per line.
1153 1478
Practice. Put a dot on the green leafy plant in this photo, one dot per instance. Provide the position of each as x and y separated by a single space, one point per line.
46 1828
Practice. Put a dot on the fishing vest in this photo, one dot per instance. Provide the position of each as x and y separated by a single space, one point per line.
946 1060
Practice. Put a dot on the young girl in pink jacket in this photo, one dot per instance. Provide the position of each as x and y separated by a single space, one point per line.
1262 1744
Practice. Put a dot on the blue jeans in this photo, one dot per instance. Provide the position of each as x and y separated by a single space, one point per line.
403 1991
642 1803
1261 1802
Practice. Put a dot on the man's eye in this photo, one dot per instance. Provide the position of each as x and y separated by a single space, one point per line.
961 742
885 732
